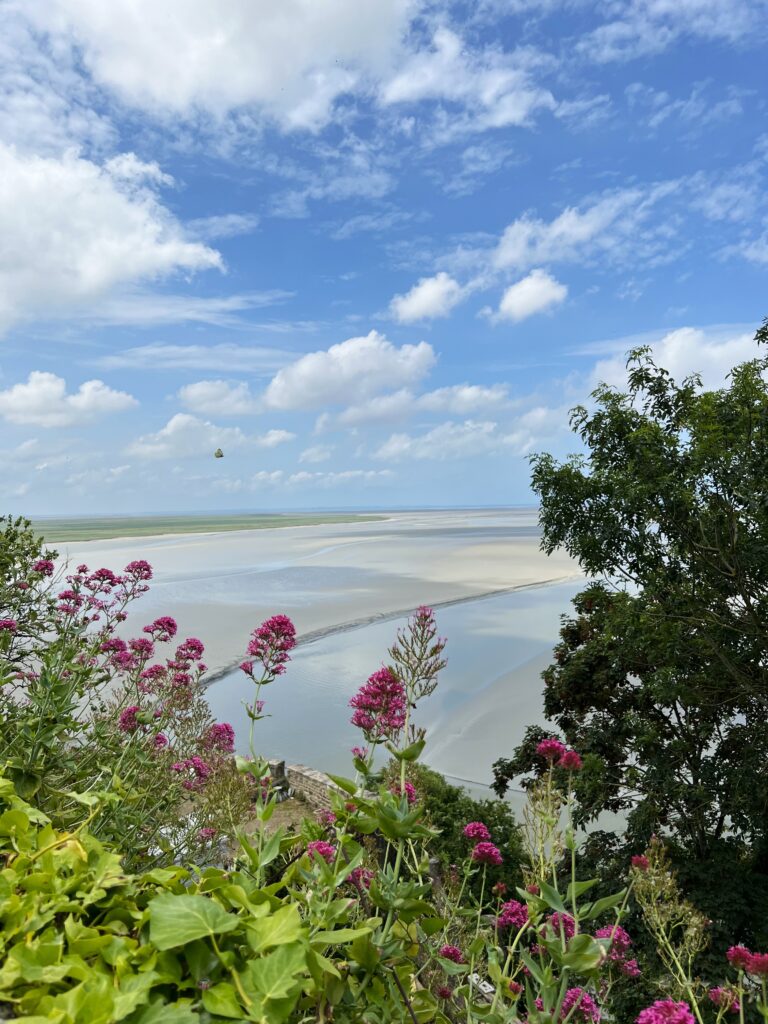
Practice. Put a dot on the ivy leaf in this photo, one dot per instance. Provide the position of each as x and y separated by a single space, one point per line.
176 920
222 1001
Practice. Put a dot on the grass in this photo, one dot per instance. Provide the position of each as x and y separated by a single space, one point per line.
57 530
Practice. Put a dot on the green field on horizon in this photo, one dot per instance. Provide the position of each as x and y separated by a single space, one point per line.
57 530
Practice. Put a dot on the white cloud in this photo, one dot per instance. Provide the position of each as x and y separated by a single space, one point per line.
73 230
185 436
644 27
457 399
251 358
218 397
494 88
432 297
452 441
709 352
317 453
533 294
613 226
343 476
43 401
359 367
223 225
290 59
140 307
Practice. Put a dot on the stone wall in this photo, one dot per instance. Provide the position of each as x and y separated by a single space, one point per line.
310 785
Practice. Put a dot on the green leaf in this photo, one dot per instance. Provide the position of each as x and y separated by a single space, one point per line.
411 753
329 938
583 954
272 976
552 898
600 906
176 920
346 784
280 928
159 1012
222 1000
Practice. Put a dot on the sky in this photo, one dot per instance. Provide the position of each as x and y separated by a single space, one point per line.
374 250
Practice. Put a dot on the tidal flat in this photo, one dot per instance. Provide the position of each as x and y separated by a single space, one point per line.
348 586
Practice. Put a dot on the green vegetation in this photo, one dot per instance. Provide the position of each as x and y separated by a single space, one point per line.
660 678
59 530
140 882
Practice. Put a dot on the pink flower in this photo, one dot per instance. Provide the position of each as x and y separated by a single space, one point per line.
499 889
128 722
161 740
562 923
640 862
758 964
513 915
583 1005
477 831
322 849
143 648
206 833
190 649
571 761
8 625
444 992
361 878
739 957
630 968
200 770
666 1011
272 642
361 752
725 998
326 817
409 790
515 988
44 566
221 737
162 629
139 570
379 706
486 853
452 953
620 940
550 749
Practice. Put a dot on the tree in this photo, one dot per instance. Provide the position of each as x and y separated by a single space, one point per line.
660 677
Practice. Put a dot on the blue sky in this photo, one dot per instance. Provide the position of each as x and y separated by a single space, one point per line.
372 249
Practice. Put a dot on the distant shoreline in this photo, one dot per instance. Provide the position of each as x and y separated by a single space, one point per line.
82 529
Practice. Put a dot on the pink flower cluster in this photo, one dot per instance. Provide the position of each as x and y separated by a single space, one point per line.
640 862
562 923
619 948
513 915
477 831
409 790
452 953
319 848
198 772
579 1005
128 722
553 750
8 625
361 878
162 629
379 706
271 644
745 960
666 1011
725 999
487 853
220 737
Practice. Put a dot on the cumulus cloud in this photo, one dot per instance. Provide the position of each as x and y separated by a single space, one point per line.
432 297
533 294
74 230
185 436
708 352
457 399
452 441
43 401
291 59
218 397
613 226
494 88
359 367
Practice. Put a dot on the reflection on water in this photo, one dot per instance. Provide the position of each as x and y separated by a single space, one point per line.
474 716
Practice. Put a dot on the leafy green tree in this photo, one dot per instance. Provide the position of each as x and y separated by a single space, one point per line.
660 677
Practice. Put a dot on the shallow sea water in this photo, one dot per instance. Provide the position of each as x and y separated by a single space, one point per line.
509 635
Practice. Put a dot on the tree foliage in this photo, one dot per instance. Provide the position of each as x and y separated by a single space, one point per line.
660 676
